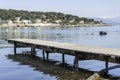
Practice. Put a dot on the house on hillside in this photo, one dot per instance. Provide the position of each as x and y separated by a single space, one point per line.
25 21
17 20
82 22
58 21
0 21
9 22
38 20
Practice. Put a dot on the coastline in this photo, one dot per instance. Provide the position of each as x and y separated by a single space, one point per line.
50 25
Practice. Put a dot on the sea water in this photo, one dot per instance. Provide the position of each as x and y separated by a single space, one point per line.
12 68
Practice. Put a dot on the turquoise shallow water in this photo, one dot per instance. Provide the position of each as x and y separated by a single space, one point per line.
12 70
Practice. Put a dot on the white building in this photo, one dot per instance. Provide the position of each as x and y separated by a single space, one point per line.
58 21
82 22
0 21
25 21
17 20
9 22
71 21
38 21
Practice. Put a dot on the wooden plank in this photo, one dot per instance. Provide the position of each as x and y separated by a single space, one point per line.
71 47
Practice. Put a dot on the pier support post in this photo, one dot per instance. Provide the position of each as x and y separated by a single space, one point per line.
43 55
106 65
63 58
33 50
76 64
15 46
47 55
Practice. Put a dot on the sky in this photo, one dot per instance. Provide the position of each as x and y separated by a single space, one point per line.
81 8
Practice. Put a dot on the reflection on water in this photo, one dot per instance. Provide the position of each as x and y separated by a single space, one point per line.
78 35
50 67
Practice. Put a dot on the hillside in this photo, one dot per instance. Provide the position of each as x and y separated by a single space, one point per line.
48 17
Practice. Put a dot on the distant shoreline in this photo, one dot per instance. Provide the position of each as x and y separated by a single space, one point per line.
51 25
